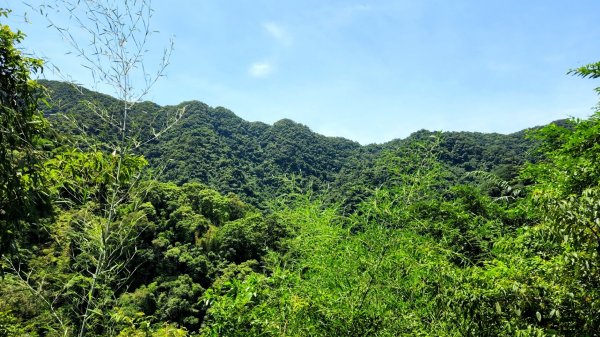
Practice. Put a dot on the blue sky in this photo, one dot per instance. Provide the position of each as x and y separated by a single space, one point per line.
370 71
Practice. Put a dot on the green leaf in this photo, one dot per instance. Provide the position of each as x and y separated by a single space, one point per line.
498 308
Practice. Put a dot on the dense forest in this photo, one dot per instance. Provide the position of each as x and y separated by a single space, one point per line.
255 160
122 218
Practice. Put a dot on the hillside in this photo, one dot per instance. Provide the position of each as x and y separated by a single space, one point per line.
253 159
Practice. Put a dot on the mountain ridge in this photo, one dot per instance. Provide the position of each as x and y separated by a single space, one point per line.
214 146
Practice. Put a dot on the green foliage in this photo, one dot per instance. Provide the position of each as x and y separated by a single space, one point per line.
250 238
166 330
219 149
170 235
10 327
591 70
232 304
567 196
419 258
78 177
22 125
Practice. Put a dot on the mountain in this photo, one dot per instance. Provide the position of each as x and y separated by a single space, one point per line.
254 159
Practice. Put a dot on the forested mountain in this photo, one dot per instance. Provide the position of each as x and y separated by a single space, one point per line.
254 160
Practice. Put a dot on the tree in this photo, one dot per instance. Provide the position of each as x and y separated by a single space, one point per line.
21 129
566 196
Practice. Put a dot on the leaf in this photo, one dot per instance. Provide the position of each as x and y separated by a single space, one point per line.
538 315
498 308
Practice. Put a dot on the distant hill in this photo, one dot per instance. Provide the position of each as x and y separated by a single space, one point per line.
252 159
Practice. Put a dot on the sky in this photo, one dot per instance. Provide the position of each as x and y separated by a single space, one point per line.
370 71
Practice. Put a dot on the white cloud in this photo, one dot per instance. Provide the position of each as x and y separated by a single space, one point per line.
278 33
260 69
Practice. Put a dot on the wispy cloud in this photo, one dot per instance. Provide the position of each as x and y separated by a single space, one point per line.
278 33
260 69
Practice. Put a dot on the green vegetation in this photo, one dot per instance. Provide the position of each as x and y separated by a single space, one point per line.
21 144
215 147
220 227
